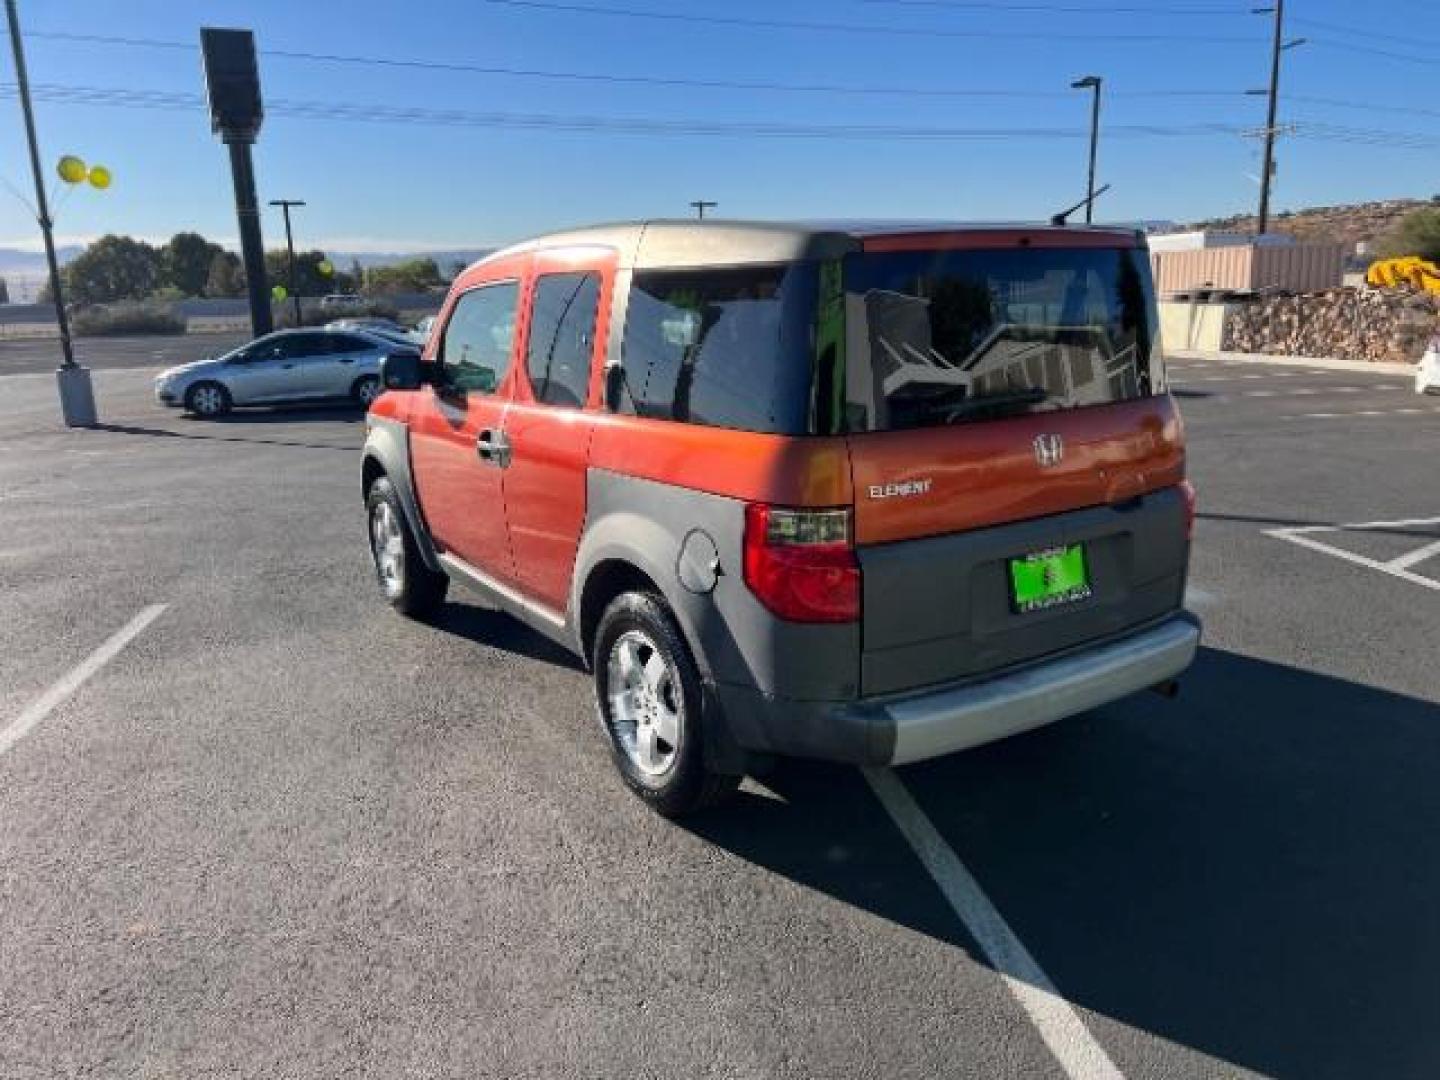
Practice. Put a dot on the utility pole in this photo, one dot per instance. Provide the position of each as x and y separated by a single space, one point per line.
1095 83
1278 46
701 205
77 399
285 205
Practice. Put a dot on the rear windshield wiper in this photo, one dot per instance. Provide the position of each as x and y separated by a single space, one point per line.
996 402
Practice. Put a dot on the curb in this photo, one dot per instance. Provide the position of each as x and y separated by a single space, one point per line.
1327 363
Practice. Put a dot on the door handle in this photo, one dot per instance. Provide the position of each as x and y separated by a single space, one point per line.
286 367
347 359
492 446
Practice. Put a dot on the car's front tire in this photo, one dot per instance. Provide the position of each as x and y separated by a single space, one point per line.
207 399
408 585
647 689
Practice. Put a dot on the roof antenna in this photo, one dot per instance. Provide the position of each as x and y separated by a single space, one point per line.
1062 218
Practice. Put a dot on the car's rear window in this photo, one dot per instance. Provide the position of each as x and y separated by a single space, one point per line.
889 341
943 337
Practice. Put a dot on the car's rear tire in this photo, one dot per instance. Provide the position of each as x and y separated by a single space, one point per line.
648 693
365 391
207 399
408 585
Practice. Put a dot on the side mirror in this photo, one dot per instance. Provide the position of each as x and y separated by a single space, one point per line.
614 386
402 371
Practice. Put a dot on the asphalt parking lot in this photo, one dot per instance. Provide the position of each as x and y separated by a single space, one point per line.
281 831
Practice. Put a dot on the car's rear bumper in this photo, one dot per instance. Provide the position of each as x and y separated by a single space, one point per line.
940 720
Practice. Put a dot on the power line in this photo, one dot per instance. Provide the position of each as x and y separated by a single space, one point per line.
1355 31
1059 9
409 115
1371 50
850 28
644 80
343 111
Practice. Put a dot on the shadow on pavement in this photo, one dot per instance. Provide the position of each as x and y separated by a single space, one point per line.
167 433
340 413
1252 871
487 626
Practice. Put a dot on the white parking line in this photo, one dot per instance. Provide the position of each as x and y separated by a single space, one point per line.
1058 1024
77 676
1397 567
1407 411
1404 562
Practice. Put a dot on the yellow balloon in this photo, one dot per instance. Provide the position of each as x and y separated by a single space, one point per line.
326 267
71 169
99 177
279 292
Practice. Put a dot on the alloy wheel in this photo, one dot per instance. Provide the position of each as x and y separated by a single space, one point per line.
646 706
387 543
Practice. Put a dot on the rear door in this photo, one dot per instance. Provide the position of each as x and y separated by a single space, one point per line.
346 357
551 421
1014 462
457 432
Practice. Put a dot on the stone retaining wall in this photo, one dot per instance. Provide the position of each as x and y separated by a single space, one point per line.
1349 324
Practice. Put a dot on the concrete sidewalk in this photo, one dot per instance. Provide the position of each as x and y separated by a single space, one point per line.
1326 363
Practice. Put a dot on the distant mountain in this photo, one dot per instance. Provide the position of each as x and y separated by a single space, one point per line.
443 259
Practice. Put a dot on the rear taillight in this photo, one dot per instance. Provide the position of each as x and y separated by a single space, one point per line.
800 563
1187 492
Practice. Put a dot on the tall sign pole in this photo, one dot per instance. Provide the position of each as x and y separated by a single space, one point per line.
232 79
77 398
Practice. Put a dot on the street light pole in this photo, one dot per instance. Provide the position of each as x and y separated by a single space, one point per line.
701 205
1091 82
285 205
77 400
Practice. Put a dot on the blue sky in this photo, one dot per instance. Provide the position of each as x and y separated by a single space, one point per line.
390 186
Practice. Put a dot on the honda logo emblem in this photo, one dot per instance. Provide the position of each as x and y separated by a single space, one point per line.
1049 450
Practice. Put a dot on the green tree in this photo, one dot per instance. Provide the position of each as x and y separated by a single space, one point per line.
185 262
309 281
413 275
4 291
226 276
1417 233
112 268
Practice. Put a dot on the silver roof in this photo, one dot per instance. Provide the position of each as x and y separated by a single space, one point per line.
681 242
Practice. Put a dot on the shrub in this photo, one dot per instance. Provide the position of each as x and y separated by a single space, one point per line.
127 318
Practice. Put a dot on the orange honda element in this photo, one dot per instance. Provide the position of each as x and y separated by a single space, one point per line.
870 493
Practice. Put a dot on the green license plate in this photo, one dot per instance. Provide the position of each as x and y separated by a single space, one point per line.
1049 579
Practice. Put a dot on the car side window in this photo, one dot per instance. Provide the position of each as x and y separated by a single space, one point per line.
476 347
562 338
343 344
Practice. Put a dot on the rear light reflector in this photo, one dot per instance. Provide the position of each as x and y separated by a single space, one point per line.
1187 492
800 563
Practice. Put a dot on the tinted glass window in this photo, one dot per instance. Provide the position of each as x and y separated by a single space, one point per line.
349 343
944 336
727 347
562 338
476 347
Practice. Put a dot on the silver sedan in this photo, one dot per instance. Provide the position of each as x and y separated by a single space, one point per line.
287 366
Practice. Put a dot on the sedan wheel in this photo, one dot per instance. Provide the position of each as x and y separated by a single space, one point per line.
208 399
366 390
